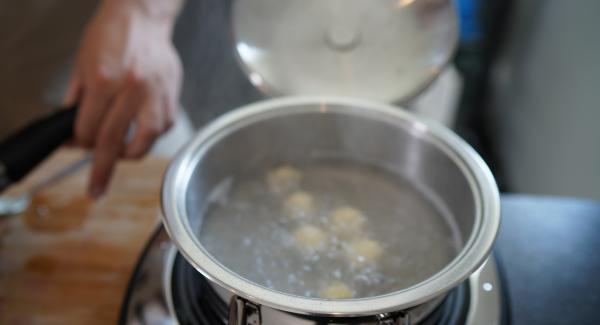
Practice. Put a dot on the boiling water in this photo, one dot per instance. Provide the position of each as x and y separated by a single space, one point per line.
247 231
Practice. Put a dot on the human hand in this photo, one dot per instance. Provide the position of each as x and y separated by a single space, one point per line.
126 72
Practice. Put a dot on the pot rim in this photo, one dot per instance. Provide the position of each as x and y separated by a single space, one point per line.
472 255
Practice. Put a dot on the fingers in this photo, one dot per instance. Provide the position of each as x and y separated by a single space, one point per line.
73 89
142 142
156 117
94 106
152 121
111 139
100 89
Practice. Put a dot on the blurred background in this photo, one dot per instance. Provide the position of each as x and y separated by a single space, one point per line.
521 87
530 103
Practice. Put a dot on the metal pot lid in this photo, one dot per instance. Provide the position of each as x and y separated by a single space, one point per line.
385 50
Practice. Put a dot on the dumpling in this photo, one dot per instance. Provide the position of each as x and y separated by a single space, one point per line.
283 179
336 290
364 251
310 238
299 205
347 221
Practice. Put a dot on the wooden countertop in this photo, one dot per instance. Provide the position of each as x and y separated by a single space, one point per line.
68 259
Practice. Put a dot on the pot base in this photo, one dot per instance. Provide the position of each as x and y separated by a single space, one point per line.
166 289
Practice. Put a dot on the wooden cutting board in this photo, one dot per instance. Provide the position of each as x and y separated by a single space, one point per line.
68 259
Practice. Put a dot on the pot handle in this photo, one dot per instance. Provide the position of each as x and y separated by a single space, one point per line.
243 312
24 150
399 318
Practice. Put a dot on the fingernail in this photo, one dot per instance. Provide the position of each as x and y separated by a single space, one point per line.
96 192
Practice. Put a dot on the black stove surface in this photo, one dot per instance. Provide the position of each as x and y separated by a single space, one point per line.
194 300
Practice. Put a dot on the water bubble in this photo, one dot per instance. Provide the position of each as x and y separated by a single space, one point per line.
337 274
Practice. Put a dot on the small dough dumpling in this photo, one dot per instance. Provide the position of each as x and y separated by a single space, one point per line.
310 238
299 205
347 221
283 179
364 251
336 290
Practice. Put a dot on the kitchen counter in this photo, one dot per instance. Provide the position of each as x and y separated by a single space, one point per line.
549 249
67 259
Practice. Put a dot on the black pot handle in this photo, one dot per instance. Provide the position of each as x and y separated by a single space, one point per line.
24 150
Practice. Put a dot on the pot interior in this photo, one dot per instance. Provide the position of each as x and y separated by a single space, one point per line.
391 164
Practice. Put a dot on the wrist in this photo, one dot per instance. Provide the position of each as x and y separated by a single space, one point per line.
160 13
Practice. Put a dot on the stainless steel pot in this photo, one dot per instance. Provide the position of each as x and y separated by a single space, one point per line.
306 128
